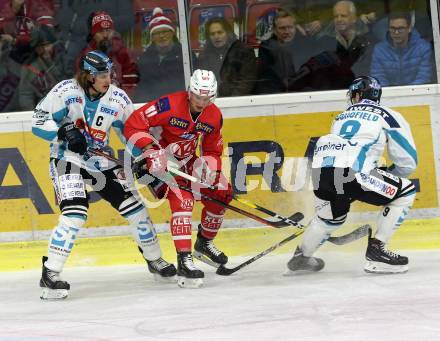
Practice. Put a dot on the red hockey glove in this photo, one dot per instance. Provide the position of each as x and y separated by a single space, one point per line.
153 161
223 192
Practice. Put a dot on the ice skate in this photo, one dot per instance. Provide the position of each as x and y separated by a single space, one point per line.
207 252
162 270
300 263
188 276
53 288
381 260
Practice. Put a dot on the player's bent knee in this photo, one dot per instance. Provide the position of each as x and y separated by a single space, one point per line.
76 221
331 224
130 206
406 194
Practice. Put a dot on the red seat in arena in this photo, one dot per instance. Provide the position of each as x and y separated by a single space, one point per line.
201 11
143 10
258 20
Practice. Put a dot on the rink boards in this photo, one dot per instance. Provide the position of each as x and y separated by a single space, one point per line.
267 141
416 234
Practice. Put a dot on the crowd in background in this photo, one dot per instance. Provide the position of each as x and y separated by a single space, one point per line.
253 47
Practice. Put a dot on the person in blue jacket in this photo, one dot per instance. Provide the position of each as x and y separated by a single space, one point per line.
403 58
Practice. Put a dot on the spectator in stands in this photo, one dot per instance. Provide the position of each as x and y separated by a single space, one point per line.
161 65
282 54
9 81
233 63
104 38
311 15
44 70
403 58
17 19
351 42
73 24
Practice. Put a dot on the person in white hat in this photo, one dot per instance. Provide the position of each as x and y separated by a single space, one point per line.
161 65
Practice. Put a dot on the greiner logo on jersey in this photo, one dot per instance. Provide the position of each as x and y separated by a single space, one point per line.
178 122
109 111
205 127
329 146
74 99
376 185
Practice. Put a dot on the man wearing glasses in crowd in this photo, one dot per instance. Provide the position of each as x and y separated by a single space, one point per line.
403 58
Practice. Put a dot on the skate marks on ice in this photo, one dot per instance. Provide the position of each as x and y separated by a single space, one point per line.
124 302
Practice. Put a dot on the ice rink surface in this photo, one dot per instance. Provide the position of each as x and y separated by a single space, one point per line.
256 303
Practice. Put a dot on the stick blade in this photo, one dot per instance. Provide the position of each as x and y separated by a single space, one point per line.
359 233
224 271
296 217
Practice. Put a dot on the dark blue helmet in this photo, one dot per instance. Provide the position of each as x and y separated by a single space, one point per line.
367 87
95 62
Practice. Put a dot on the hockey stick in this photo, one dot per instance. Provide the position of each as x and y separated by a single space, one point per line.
222 270
283 221
293 220
356 234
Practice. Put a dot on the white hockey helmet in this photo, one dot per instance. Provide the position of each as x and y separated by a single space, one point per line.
203 83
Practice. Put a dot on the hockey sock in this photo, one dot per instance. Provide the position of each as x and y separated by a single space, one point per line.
392 216
144 233
210 224
62 240
316 234
181 228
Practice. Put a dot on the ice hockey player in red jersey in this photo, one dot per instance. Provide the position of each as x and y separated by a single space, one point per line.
170 128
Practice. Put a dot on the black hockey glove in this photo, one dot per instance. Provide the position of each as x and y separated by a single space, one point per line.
139 167
76 141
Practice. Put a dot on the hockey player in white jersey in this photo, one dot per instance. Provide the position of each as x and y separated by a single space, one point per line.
77 114
345 168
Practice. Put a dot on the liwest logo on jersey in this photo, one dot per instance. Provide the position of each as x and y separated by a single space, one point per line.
375 110
178 122
376 185
205 127
60 85
109 111
121 95
73 99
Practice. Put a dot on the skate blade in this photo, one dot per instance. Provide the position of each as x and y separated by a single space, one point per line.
383 268
288 272
201 257
54 294
161 279
189 283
